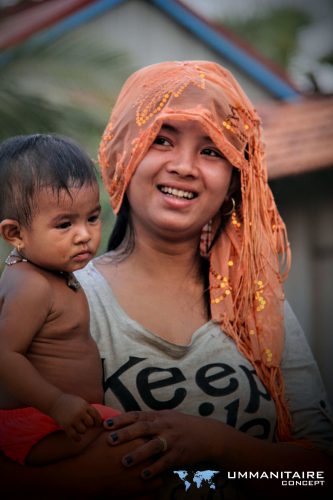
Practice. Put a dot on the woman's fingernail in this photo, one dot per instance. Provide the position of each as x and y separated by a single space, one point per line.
114 437
109 422
146 473
128 460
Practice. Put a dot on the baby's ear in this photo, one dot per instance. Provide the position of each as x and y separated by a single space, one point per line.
10 230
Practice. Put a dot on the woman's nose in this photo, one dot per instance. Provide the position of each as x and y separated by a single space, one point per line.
184 165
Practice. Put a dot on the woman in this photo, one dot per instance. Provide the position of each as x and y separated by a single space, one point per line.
188 308
191 291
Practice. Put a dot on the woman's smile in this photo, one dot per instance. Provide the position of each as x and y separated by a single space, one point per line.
181 183
177 193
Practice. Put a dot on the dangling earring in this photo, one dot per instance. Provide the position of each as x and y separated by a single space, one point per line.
232 212
234 220
233 208
18 251
206 238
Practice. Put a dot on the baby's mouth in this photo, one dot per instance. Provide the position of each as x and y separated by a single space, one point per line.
177 193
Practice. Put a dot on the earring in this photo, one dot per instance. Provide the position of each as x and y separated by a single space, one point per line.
232 212
233 208
18 251
234 220
206 238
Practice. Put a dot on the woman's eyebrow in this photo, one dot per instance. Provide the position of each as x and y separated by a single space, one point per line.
166 127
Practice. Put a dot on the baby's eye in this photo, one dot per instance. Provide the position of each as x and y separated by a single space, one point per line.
64 225
93 218
162 141
212 152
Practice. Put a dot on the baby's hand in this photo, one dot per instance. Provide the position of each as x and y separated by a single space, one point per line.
74 415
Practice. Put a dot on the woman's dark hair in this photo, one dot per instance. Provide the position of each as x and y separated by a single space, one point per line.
29 163
121 228
236 194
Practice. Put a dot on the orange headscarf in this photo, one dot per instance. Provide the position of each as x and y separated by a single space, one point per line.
251 256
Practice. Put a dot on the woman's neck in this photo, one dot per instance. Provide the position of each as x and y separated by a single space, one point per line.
170 261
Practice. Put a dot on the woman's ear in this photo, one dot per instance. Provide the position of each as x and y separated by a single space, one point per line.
10 230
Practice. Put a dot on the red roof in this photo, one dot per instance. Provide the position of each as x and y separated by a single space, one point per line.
298 136
18 24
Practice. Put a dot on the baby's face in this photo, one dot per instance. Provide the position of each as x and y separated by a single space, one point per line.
65 231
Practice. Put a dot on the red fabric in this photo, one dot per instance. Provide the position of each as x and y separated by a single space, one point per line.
22 428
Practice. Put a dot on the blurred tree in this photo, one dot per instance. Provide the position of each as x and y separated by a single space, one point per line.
65 87
272 32
327 58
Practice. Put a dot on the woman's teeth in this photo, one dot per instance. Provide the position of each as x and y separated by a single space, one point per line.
178 193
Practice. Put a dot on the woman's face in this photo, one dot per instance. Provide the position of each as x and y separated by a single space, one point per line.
180 184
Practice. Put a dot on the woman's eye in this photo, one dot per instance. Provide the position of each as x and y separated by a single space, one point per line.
162 141
63 225
212 152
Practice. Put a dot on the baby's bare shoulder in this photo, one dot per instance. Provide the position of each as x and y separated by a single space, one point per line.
23 281
24 274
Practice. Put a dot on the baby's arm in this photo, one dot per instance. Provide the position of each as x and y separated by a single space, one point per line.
26 304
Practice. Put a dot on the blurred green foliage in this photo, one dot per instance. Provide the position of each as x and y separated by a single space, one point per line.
327 58
273 32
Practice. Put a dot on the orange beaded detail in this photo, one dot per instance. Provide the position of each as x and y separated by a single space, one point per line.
238 121
259 296
228 126
269 355
234 220
222 284
148 107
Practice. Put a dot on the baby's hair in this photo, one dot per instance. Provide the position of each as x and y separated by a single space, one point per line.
29 163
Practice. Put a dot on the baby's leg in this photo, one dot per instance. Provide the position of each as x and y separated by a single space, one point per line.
57 446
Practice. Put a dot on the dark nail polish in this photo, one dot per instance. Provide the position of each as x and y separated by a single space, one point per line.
128 460
114 437
109 422
146 473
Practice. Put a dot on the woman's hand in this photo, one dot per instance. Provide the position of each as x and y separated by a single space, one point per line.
173 438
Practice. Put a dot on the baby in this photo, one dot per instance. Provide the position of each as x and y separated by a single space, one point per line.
50 369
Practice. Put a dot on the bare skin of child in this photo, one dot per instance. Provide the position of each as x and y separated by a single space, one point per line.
45 342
